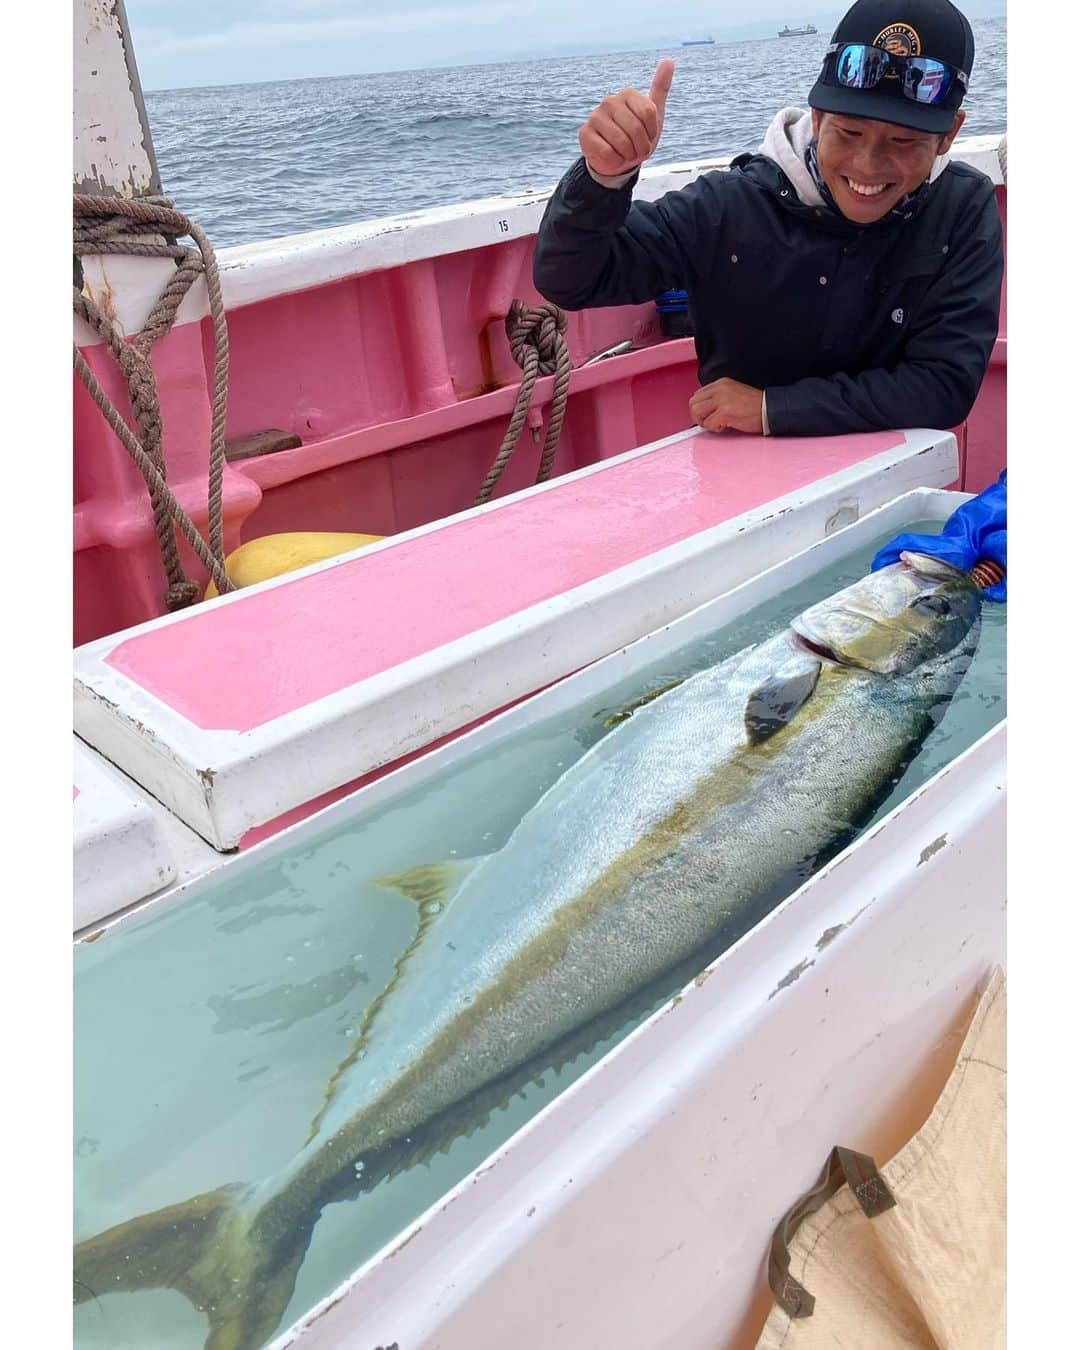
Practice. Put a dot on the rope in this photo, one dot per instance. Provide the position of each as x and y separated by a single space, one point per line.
538 346
156 480
1003 157
134 228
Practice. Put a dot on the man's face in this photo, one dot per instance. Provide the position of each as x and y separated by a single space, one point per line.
869 166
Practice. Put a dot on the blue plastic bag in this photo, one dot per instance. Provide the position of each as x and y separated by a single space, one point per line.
974 531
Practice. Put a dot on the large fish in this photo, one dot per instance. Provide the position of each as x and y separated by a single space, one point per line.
723 789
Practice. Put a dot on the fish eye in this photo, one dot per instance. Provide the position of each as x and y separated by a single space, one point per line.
931 604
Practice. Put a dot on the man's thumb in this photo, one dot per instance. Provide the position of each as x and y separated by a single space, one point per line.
661 83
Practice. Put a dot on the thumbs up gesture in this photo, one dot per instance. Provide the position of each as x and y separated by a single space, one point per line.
624 129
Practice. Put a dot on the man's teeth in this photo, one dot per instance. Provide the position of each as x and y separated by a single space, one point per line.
864 190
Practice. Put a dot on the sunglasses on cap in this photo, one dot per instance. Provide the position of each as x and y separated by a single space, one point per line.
922 79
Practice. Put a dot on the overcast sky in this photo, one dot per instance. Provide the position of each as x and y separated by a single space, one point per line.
203 42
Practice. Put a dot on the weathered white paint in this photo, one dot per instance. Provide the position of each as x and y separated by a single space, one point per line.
121 853
223 783
113 151
254 272
636 1209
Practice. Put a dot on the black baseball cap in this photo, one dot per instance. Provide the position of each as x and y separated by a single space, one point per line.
928 28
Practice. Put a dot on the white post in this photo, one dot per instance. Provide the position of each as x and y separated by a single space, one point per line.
114 154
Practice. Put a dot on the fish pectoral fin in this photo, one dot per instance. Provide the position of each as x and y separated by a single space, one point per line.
430 883
772 705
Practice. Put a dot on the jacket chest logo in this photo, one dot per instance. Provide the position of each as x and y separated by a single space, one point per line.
898 316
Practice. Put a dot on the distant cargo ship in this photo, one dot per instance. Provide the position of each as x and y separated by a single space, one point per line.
700 42
804 31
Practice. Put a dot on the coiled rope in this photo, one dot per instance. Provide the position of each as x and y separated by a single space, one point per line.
116 225
1003 157
538 346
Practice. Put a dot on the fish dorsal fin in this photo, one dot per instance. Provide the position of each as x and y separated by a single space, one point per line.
773 704
430 885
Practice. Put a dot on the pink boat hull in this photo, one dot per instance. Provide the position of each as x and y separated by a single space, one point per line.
400 384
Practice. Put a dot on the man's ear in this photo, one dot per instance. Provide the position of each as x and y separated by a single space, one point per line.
816 118
946 141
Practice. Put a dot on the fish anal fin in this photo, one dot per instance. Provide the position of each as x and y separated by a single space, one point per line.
773 704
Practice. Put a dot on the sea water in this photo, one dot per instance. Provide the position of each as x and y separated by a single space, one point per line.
207 1030
254 161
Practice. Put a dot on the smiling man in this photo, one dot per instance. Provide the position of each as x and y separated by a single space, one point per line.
846 277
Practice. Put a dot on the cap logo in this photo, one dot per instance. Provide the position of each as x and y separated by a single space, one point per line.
899 39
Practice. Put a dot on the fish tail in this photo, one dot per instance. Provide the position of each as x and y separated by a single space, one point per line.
215 1251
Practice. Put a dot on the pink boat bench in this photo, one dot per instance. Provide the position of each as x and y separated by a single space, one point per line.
257 708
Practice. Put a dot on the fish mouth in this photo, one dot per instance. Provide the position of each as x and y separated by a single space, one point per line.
819 649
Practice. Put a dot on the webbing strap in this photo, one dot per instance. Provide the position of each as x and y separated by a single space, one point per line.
843 1166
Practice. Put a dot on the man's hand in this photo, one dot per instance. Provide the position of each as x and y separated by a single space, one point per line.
727 403
623 131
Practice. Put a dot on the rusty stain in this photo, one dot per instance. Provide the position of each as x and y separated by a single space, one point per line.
792 975
929 851
93 937
487 362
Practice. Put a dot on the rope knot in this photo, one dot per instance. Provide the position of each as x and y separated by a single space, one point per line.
181 594
535 334
537 328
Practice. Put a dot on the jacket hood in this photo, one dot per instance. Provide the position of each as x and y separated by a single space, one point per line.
786 143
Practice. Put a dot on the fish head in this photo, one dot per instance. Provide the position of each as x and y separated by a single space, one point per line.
895 619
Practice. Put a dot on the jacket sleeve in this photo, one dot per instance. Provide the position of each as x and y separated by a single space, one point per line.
937 378
595 247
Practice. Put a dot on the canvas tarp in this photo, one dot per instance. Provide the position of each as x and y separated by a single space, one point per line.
912 1256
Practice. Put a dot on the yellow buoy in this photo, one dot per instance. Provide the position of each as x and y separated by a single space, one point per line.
274 554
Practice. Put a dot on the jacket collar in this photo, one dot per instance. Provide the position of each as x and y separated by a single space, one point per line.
789 143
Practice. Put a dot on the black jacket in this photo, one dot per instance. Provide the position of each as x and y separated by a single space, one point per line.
846 327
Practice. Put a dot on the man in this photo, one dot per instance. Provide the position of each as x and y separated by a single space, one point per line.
846 277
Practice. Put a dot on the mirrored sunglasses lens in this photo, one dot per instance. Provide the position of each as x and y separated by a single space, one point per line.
926 81
860 67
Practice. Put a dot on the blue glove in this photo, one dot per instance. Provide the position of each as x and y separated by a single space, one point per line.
973 531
